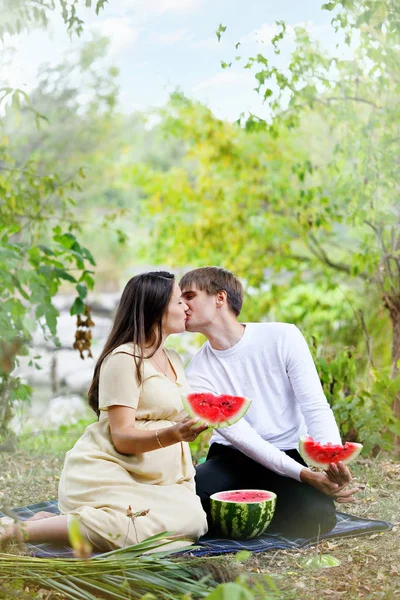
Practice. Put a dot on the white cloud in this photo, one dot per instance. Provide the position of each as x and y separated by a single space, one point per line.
267 31
160 7
120 31
208 44
223 78
262 35
228 94
181 35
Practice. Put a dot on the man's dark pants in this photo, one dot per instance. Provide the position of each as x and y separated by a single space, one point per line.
301 510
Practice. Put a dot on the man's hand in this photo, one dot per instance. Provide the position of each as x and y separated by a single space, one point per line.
345 495
339 473
330 488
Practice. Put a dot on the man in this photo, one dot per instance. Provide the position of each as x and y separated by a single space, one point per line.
270 363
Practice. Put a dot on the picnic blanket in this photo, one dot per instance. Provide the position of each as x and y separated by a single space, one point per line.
346 526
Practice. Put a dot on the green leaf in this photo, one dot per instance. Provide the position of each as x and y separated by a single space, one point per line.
80 545
221 29
100 4
321 561
50 313
329 6
87 254
78 307
82 291
88 279
66 240
62 274
395 427
45 249
230 591
242 556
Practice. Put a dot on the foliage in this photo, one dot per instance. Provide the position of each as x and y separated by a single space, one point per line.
159 574
362 406
247 586
356 97
85 134
32 271
306 195
39 250
355 188
20 15
216 201
58 440
127 571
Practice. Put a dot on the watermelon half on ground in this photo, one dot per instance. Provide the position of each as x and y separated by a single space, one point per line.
242 514
216 411
322 455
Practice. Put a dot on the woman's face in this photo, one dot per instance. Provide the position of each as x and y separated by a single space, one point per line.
174 320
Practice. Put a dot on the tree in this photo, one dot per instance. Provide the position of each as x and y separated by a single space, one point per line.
39 248
22 15
326 209
359 188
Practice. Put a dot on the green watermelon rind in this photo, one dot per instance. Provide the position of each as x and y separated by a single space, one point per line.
214 424
242 520
312 462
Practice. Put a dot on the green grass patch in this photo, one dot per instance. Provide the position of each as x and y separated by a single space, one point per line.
367 566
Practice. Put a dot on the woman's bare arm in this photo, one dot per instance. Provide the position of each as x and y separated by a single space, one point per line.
128 439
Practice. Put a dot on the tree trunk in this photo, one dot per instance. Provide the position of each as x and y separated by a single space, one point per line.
393 305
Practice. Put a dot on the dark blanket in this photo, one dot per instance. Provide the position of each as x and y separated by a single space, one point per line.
347 526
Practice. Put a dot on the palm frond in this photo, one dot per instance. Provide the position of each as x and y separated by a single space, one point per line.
121 574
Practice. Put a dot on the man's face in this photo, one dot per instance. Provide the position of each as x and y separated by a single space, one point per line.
202 308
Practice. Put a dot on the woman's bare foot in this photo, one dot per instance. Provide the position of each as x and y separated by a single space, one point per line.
41 515
5 523
10 531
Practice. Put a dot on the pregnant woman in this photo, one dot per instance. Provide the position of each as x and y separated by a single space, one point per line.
135 458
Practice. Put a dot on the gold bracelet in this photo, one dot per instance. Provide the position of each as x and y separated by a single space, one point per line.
158 440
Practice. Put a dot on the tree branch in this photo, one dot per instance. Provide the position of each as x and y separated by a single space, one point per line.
354 99
326 101
320 253
387 256
367 338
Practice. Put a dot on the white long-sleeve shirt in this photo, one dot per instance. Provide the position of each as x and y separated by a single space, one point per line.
273 367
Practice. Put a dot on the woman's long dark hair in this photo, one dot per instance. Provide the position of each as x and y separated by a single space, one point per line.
138 319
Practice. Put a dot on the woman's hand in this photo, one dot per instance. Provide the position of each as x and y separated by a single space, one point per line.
186 430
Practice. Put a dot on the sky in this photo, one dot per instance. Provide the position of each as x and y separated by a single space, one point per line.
163 45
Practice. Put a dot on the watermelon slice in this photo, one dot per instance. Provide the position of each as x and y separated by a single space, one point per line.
322 455
242 514
216 411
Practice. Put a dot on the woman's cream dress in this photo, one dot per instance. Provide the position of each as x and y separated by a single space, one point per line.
99 484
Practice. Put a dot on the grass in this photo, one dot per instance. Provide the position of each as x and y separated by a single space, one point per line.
369 565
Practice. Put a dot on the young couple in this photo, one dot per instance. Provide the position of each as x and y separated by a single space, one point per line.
137 454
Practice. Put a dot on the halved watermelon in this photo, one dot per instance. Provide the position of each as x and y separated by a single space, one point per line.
215 411
242 514
322 455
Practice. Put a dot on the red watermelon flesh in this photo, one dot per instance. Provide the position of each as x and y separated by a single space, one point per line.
243 496
216 411
322 455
